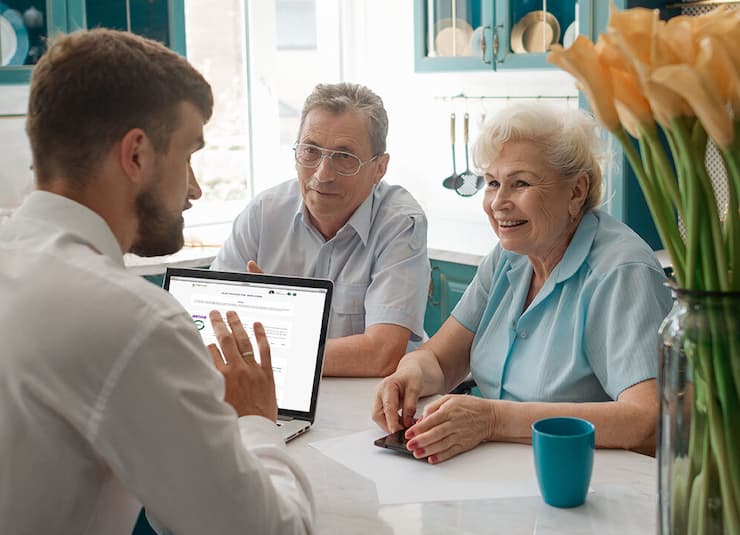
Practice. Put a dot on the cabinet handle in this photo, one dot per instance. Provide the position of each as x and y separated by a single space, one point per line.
484 45
496 43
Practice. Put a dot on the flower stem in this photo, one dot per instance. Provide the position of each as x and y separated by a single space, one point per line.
664 223
699 145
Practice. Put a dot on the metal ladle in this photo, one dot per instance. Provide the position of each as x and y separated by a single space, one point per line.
454 180
469 183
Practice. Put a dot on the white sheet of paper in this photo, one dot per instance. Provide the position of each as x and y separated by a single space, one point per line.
491 470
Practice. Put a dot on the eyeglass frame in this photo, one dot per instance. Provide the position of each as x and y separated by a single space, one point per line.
329 153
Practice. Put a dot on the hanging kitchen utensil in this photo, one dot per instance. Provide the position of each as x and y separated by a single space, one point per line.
452 181
469 183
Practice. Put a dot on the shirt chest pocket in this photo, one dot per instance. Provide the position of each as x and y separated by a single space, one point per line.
347 310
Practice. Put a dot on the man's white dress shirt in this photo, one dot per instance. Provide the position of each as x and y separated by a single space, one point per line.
109 399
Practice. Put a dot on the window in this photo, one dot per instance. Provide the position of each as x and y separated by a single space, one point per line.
262 58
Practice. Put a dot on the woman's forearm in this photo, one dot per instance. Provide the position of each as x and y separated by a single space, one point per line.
628 423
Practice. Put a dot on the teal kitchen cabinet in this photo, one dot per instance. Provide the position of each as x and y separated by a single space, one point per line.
494 34
448 283
26 24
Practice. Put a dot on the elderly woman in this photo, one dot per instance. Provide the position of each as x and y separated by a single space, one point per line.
562 316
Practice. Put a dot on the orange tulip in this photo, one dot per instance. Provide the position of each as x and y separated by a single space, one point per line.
633 31
582 61
665 104
685 81
611 55
715 67
632 107
674 42
726 29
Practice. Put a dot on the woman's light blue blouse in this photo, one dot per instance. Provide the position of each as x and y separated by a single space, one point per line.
590 332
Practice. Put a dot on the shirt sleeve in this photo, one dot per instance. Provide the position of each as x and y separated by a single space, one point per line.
399 281
621 326
162 426
242 244
469 310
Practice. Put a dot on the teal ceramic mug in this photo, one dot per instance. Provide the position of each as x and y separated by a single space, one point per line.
563 459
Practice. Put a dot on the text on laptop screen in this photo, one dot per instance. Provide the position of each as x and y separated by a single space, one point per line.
291 317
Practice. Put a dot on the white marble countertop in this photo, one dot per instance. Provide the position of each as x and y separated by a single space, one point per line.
623 499
156 265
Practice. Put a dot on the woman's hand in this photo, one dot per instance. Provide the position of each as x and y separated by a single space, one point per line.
400 390
451 425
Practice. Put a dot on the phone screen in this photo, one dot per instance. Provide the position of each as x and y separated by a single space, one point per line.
396 442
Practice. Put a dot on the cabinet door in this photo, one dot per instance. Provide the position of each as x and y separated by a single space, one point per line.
452 35
161 20
24 27
525 30
26 24
449 282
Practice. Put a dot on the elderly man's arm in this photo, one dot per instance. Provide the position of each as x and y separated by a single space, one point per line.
394 304
381 346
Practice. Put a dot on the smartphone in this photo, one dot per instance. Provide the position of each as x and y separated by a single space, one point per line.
396 442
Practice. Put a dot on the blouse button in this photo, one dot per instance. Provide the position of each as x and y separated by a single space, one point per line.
523 334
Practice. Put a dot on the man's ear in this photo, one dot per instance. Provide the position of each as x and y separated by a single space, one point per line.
135 155
383 160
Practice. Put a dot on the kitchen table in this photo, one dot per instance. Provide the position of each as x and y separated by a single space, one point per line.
622 500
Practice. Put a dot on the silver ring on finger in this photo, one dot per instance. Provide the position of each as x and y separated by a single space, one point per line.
247 354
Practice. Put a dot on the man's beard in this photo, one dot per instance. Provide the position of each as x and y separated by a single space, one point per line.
159 233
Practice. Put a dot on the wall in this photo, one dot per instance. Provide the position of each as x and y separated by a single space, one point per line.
379 34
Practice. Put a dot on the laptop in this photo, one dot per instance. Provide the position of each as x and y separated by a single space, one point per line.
295 314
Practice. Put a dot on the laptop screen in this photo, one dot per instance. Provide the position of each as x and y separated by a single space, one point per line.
294 312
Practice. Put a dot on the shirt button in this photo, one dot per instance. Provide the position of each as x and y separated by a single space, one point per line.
523 334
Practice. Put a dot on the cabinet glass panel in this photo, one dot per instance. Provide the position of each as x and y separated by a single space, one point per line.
452 28
535 25
149 18
23 31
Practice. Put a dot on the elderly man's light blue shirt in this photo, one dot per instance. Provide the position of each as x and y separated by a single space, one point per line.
590 332
378 259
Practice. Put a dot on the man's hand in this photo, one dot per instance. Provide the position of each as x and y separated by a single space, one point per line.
252 267
250 386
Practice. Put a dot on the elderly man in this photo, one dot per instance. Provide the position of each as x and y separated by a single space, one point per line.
108 397
339 221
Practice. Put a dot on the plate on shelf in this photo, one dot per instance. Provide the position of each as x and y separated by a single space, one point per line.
452 37
13 37
535 32
571 32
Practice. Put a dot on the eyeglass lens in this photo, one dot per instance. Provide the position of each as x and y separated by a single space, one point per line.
342 162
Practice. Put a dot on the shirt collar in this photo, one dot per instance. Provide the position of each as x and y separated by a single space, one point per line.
578 248
75 218
574 256
360 220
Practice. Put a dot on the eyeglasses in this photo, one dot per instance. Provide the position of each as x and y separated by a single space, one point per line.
343 163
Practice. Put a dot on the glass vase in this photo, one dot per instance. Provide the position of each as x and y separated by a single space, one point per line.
699 428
